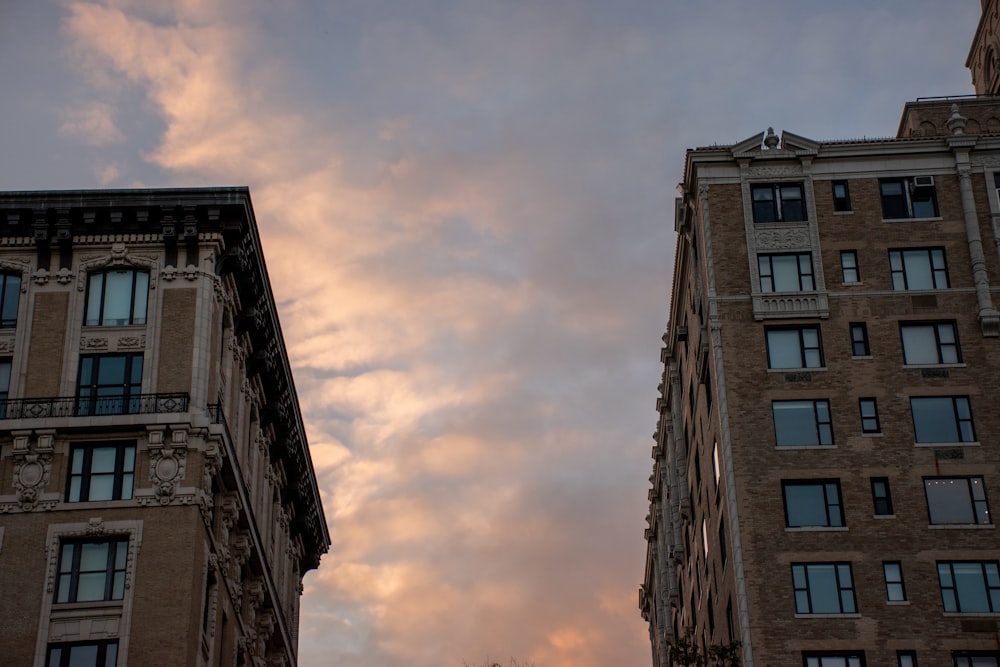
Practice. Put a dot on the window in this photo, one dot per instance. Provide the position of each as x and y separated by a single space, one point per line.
794 348
91 571
778 202
116 297
802 423
859 340
849 659
83 654
869 415
723 554
823 588
10 295
881 496
970 587
110 384
976 658
957 500
849 266
918 268
906 658
930 343
786 273
942 419
908 198
101 472
894 590
841 196
4 378
812 503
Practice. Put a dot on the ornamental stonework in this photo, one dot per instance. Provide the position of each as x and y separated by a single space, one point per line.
782 239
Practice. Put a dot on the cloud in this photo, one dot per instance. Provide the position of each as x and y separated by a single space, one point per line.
92 124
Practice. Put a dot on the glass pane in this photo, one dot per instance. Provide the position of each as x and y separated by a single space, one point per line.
55 655
111 370
141 294
65 583
129 464
74 489
923 203
83 656
76 466
127 483
783 349
799 576
11 295
117 297
118 590
794 423
111 655
948 501
102 487
823 589
103 459
94 298
93 556
918 270
806 505
786 273
136 376
90 587
934 419
919 345
970 587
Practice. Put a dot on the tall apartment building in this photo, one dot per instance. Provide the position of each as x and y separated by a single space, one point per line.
158 504
828 446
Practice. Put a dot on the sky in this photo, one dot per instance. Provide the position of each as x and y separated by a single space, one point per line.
466 208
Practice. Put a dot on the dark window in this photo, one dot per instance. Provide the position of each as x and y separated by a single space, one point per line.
116 297
4 378
786 273
83 654
849 266
101 472
10 295
942 419
90 571
823 588
841 196
778 202
970 587
731 626
110 384
869 415
859 340
918 268
957 500
976 658
802 423
881 496
908 198
930 343
723 555
906 659
894 589
798 347
839 659
812 503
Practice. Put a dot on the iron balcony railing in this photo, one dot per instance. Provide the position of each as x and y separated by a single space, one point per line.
91 406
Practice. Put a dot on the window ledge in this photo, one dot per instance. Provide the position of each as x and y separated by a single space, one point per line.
877 434
865 356
843 212
915 366
782 447
898 603
817 369
883 516
95 605
961 526
831 615
971 443
933 219
815 529
967 614
852 284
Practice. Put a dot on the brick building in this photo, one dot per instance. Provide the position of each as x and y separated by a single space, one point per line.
828 446
158 504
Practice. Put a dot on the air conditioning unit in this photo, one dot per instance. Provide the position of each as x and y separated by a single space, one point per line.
923 181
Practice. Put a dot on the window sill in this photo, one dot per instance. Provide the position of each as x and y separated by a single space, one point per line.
875 434
898 603
818 369
843 212
916 366
967 614
962 526
932 219
855 283
782 447
815 529
972 443
829 615
864 356
883 516
97 604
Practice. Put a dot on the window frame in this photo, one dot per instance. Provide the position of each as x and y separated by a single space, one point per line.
940 346
849 266
895 587
841 202
979 508
964 658
859 337
832 499
868 409
937 268
810 355
118 546
123 476
904 204
816 658
991 593
767 210
91 394
65 657
839 567
806 279
824 437
964 426
906 659
882 502
10 298
99 300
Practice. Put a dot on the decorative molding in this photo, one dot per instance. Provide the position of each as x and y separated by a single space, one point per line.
790 304
132 343
775 171
785 238
88 343
32 469
7 345
117 256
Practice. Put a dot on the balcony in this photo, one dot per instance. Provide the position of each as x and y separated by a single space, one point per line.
92 406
